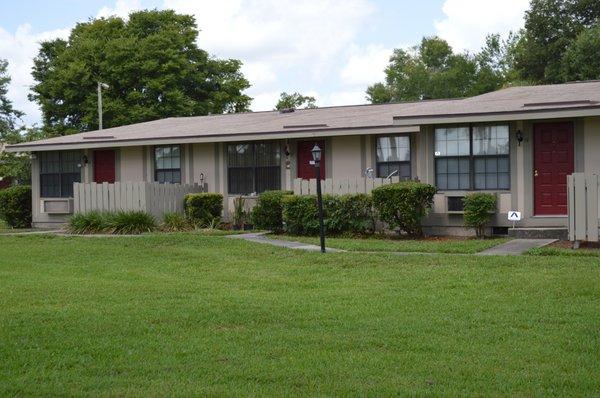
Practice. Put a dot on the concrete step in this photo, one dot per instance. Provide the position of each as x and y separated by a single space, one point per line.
559 233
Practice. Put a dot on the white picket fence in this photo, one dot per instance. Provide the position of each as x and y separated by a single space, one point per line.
341 186
150 197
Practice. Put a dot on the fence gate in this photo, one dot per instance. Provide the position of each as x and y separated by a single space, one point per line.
582 200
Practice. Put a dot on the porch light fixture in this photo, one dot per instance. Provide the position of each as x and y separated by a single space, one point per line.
84 161
519 137
316 154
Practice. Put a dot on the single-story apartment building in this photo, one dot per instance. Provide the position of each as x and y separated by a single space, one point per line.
519 143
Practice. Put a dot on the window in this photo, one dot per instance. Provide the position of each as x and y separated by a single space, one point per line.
452 166
472 158
393 155
253 167
58 172
490 156
167 164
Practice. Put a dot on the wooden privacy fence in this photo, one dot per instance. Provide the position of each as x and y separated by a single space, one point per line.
341 186
150 197
582 202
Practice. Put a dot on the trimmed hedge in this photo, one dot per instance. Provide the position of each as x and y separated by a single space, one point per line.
120 222
204 209
300 214
268 211
15 206
351 214
478 210
403 205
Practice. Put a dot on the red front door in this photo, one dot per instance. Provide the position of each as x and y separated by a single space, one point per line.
306 170
553 161
104 166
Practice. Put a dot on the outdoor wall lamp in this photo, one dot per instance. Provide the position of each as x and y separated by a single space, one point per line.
202 181
519 137
84 161
316 155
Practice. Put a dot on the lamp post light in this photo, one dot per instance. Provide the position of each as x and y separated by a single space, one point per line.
316 154
100 87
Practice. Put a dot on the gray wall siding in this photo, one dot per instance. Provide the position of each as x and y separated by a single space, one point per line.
349 156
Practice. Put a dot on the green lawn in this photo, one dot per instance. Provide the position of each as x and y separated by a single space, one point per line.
186 314
565 252
379 244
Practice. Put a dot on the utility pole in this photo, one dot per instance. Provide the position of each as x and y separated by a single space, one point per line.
100 87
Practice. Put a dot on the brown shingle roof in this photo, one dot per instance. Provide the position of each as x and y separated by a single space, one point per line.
521 99
322 120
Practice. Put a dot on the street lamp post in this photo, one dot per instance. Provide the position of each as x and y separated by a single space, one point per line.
100 87
316 154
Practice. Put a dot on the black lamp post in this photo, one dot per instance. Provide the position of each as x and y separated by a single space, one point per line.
316 154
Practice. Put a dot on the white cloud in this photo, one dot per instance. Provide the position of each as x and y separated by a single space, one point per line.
366 65
19 49
285 45
288 45
347 97
121 9
467 22
264 101
259 73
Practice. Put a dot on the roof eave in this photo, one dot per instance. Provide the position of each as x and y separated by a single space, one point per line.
526 114
257 136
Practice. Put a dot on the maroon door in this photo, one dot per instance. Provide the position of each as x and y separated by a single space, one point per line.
553 161
306 170
104 166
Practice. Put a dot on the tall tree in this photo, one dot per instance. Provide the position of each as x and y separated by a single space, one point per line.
581 60
12 165
433 70
295 101
153 67
551 27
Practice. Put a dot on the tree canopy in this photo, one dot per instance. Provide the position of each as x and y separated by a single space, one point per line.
11 132
153 67
559 43
551 47
295 101
433 70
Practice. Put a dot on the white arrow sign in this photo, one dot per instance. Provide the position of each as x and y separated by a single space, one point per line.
514 215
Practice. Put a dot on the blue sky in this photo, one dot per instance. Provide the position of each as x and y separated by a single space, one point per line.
331 49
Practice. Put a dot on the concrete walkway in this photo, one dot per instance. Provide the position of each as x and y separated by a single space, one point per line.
34 232
259 237
515 247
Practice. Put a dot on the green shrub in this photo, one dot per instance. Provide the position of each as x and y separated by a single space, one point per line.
204 209
403 205
478 210
15 206
121 222
175 222
240 215
268 211
131 222
300 215
352 213
93 222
